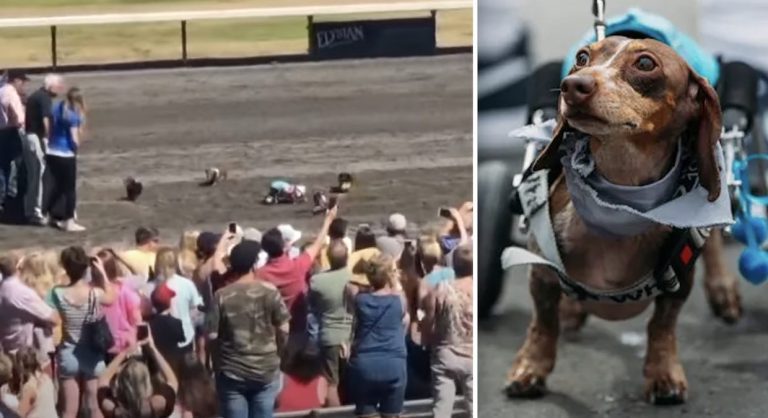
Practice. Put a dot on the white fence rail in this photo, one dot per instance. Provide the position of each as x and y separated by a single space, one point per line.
187 16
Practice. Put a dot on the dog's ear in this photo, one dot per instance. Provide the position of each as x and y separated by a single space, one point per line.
705 129
550 157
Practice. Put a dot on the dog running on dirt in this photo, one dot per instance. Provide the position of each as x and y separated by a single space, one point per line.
133 189
214 176
632 116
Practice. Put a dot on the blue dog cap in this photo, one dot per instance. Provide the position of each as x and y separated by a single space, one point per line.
660 29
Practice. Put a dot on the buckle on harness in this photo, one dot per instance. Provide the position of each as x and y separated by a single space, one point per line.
678 256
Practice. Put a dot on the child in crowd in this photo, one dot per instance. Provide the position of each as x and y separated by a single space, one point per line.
34 389
167 331
197 391
304 386
9 403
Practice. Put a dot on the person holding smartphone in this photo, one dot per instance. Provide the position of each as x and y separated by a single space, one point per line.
79 365
457 229
124 316
126 389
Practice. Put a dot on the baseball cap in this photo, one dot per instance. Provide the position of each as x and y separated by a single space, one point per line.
391 246
252 234
396 222
17 75
290 235
162 296
243 257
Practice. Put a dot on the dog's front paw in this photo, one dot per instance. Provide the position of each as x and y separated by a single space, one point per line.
526 379
724 298
666 384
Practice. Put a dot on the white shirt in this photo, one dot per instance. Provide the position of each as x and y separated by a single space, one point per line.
184 305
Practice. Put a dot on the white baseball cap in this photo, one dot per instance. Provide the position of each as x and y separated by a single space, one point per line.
290 235
397 222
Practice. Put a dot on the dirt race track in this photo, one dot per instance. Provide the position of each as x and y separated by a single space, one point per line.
403 127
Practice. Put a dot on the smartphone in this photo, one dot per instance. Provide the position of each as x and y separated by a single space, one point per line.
332 201
410 243
142 332
232 228
444 213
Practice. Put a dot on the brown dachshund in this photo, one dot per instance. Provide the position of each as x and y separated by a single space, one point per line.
633 99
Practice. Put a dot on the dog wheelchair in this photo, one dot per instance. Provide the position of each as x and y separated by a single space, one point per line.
282 192
499 174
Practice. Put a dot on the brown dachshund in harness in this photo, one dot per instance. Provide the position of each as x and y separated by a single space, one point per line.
635 101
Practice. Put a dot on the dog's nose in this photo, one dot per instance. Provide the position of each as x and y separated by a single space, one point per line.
576 89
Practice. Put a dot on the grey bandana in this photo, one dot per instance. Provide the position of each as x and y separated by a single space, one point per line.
677 200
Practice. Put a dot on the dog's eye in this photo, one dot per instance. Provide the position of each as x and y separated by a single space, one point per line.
582 58
645 63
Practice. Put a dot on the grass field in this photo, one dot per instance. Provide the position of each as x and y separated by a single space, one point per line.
226 38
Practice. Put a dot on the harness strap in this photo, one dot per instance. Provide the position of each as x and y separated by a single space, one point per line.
533 196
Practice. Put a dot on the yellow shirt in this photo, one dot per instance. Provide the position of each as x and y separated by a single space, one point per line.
141 261
325 263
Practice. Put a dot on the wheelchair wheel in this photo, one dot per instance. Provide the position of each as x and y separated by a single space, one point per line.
494 185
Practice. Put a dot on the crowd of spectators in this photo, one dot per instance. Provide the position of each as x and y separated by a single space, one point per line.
242 323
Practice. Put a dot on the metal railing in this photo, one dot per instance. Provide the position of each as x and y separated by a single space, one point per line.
188 16
411 409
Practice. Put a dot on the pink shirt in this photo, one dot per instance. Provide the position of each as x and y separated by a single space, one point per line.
11 109
119 316
21 308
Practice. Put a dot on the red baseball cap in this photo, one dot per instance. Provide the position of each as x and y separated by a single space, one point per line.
162 296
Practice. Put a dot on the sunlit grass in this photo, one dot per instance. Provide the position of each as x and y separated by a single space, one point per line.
151 41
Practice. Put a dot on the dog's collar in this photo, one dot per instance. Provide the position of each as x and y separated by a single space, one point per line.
614 210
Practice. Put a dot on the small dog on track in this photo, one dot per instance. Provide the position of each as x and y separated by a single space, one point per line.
214 176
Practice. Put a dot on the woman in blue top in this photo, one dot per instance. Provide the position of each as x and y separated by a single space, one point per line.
377 365
61 158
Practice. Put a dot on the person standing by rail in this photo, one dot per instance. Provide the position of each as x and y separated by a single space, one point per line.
11 129
61 158
39 125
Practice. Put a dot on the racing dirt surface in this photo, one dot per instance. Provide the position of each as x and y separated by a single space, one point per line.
599 373
402 127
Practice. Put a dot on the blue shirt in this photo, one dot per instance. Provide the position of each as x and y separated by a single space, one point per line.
440 275
378 351
61 143
281 185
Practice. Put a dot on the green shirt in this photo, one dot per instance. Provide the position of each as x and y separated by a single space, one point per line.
326 298
246 317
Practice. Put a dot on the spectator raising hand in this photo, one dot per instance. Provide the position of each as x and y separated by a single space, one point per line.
291 276
132 392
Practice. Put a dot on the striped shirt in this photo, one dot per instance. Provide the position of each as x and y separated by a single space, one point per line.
73 316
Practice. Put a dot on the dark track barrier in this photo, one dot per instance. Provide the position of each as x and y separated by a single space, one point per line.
373 38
